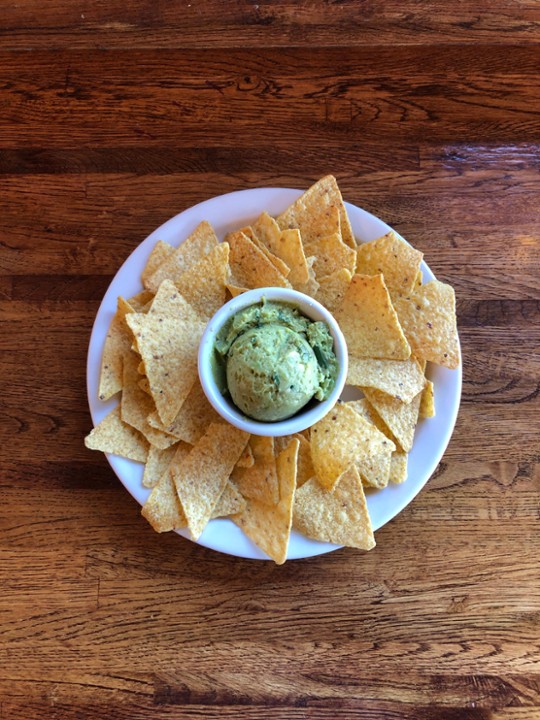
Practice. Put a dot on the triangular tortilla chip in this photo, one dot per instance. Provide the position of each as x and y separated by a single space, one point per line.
168 339
260 481
400 418
116 437
369 321
286 245
203 285
163 509
403 379
117 343
201 477
428 318
343 438
276 261
332 289
201 241
250 267
392 257
270 526
314 213
332 255
339 517
160 252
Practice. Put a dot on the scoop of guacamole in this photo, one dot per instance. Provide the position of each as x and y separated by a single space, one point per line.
273 360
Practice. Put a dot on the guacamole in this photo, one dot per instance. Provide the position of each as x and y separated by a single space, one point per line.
272 360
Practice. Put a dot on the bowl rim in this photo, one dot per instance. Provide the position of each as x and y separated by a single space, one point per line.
312 309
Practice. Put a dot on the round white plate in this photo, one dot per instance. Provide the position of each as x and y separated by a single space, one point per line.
230 212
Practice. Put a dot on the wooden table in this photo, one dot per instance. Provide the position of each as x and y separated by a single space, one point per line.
113 118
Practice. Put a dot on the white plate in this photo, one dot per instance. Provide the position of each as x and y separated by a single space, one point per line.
230 212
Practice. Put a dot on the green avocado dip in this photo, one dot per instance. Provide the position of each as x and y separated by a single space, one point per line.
272 360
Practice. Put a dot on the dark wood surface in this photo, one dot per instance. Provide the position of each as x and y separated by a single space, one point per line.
113 118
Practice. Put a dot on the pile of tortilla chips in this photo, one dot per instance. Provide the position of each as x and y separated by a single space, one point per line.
198 466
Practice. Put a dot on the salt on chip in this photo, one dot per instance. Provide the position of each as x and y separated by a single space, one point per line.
193 418
270 526
332 289
116 437
201 477
201 242
427 401
314 213
428 318
343 438
398 467
249 265
369 321
136 405
117 343
403 379
168 339
203 285
339 517
158 462
392 257
331 255
260 481
160 252
400 418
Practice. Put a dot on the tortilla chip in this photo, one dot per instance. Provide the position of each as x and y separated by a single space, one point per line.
144 385
311 288
116 437
229 503
168 339
260 481
286 245
428 318
392 257
369 321
332 289
399 417
235 290
305 469
343 438
158 462
192 419
142 301
203 285
402 379
117 343
367 411
201 477
339 517
332 255
314 213
278 263
136 405
163 509
398 467
427 401
270 526
246 459
201 242
250 267
160 252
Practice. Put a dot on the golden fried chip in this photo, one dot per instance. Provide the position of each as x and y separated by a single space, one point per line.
117 343
203 285
163 509
332 289
369 321
339 517
278 263
398 467
168 339
402 379
229 503
286 245
260 481
428 318
363 407
235 290
314 213
310 288
246 459
160 252
270 526
158 462
193 418
427 401
136 405
199 244
250 267
331 255
201 477
343 438
116 437
399 417
141 301
305 469
392 257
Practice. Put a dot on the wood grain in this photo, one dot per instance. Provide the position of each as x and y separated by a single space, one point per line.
115 117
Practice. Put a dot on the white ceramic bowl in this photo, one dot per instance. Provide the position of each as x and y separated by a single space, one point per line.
223 405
